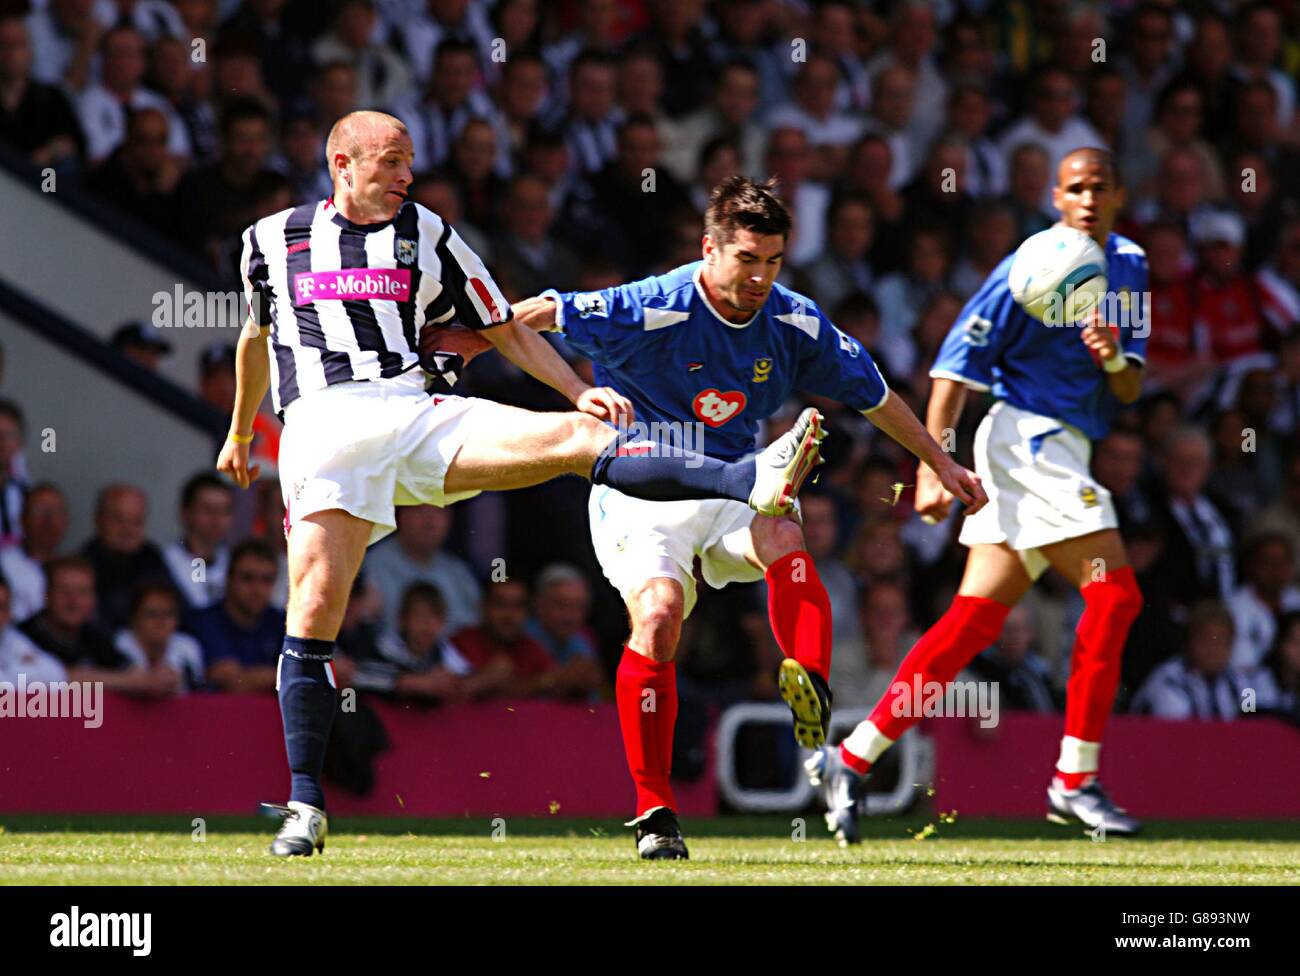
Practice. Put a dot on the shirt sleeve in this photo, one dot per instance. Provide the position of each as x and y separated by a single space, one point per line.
1135 332
257 282
478 302
974 343
836 365
603 325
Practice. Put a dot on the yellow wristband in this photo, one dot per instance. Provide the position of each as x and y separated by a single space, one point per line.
241 438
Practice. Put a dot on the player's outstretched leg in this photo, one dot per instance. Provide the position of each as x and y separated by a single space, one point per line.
971 624
519 448
1111 604
325 552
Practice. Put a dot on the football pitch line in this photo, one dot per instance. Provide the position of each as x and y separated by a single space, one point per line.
726 850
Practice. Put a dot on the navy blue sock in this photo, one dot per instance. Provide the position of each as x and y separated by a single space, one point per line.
664 473
307 702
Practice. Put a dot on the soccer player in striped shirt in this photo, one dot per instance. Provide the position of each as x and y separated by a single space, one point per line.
345 286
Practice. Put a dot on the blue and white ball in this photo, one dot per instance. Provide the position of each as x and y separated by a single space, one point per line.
1058 275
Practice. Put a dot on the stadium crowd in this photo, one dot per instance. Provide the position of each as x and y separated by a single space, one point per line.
573 144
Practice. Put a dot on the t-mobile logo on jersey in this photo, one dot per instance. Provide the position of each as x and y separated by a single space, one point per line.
715 408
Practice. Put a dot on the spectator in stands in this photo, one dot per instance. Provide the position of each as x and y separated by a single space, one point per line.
1202 683
415 659
217 377
435 116
1283 662
425 27
1256 130
473 158
679 40
990 237
241 635
1117 466
36 119
597 29
1283 515
1053 122
153 644
1179 114
526 253
521 96
592 122
863 673
302 147
1029 176
789 159
199 559
732 113
185 84
141 179
45 525
65 630
415 553
844 266
640 85
612 212
333 94
830 129
893 99
1015 666
900 295
140 345
1178 358
508 662
1255 195
104 104
821 537
1104 107
1267 595
13 482
120 553
561 604
224 189
1236 482
65 37
18 655
938 194
382 74
1147 65
1198 546
271 38
970 111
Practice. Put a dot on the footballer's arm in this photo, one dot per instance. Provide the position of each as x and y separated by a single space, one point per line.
537 313
939 478
1123 376
252 380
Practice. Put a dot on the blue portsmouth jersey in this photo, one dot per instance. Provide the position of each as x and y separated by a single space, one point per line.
660 343
1047 370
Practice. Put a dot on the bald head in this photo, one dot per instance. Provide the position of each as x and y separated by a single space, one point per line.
1084 158
361 134
370 157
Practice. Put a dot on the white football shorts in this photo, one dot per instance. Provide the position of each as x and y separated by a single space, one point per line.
637 540
369 446
1035 471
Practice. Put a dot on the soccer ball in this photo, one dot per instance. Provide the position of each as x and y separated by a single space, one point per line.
1058 275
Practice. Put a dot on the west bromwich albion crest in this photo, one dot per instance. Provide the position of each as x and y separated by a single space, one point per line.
405 250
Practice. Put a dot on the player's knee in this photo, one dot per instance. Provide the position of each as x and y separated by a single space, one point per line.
775 537
581 439
657 622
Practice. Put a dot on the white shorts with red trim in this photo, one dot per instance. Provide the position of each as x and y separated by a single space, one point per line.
637 540
1035 470
367 447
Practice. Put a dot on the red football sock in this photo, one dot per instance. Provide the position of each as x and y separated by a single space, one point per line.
800 611
1110 607
854 761
971 624
1072 781
646 693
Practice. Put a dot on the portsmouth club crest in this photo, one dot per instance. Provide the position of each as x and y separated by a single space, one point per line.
405 250
762 369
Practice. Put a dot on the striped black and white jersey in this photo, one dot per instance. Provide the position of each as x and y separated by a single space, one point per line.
346 301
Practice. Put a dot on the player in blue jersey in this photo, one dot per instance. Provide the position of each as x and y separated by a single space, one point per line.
718 346
1056 391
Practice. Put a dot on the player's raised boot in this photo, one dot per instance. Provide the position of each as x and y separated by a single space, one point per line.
1091 806
840 788
303 830
809 698
782 467
659 837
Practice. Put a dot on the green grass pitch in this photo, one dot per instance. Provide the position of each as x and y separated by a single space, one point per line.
46 850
